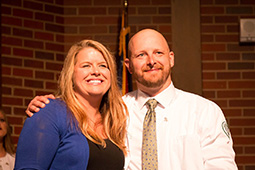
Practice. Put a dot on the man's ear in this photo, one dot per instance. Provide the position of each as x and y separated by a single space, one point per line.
171 55
128 65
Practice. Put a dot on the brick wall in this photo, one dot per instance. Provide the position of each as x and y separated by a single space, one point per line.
36 34
32 53
229 71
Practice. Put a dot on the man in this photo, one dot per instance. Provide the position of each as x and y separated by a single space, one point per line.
191 132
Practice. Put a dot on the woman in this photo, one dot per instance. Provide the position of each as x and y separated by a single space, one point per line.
85 126
7 150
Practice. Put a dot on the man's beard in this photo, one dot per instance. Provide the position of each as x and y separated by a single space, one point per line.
150 82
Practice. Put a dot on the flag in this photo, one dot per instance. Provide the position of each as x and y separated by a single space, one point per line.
124 76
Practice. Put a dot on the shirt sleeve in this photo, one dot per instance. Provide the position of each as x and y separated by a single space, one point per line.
216 141
40 137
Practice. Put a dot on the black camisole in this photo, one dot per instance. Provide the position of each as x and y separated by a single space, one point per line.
109 158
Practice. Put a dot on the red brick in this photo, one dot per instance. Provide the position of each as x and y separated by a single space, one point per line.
6 70
93 29
33 24
11 61
226 19
78 3
239 10
33 5
12 101
106 3
249 112
221 103
71 30
44 75
236 131
227 38
161 2
23 52
232 112
54 47
6 30
206 19
5 50
33 83
11 41
241 103
242 122
249 93
54 28
106 20
214 85
250 149
161 19
12 3
22 72
11 81
22 13
92 11
239 48
212 29
248 75
54 9
246 159
11 21
78 20
209 76
17 130
241 84
212 10
147 10
59 38
226 2
33 64
249 131
207 38
15 120
229 94
60 57
54 66
207 56
44 17
228 75
133 20
6 91
248 2
33 44
209 94
141 2
44 36
70 11
51 85
44 55
19 111
214 66
213 47
232 28
23 92
59 20
165 28
6 10
227 56
164 10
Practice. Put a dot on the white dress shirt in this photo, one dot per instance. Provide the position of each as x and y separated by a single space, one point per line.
192 133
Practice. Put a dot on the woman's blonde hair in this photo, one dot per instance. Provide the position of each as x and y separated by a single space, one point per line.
7 139
113 110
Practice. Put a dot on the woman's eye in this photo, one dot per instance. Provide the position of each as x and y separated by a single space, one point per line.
2 120
85 65
103 65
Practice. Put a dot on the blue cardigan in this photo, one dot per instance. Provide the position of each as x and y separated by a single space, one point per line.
50 140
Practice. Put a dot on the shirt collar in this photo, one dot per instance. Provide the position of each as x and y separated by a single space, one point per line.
164 98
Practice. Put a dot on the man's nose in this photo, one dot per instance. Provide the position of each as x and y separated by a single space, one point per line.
151 59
